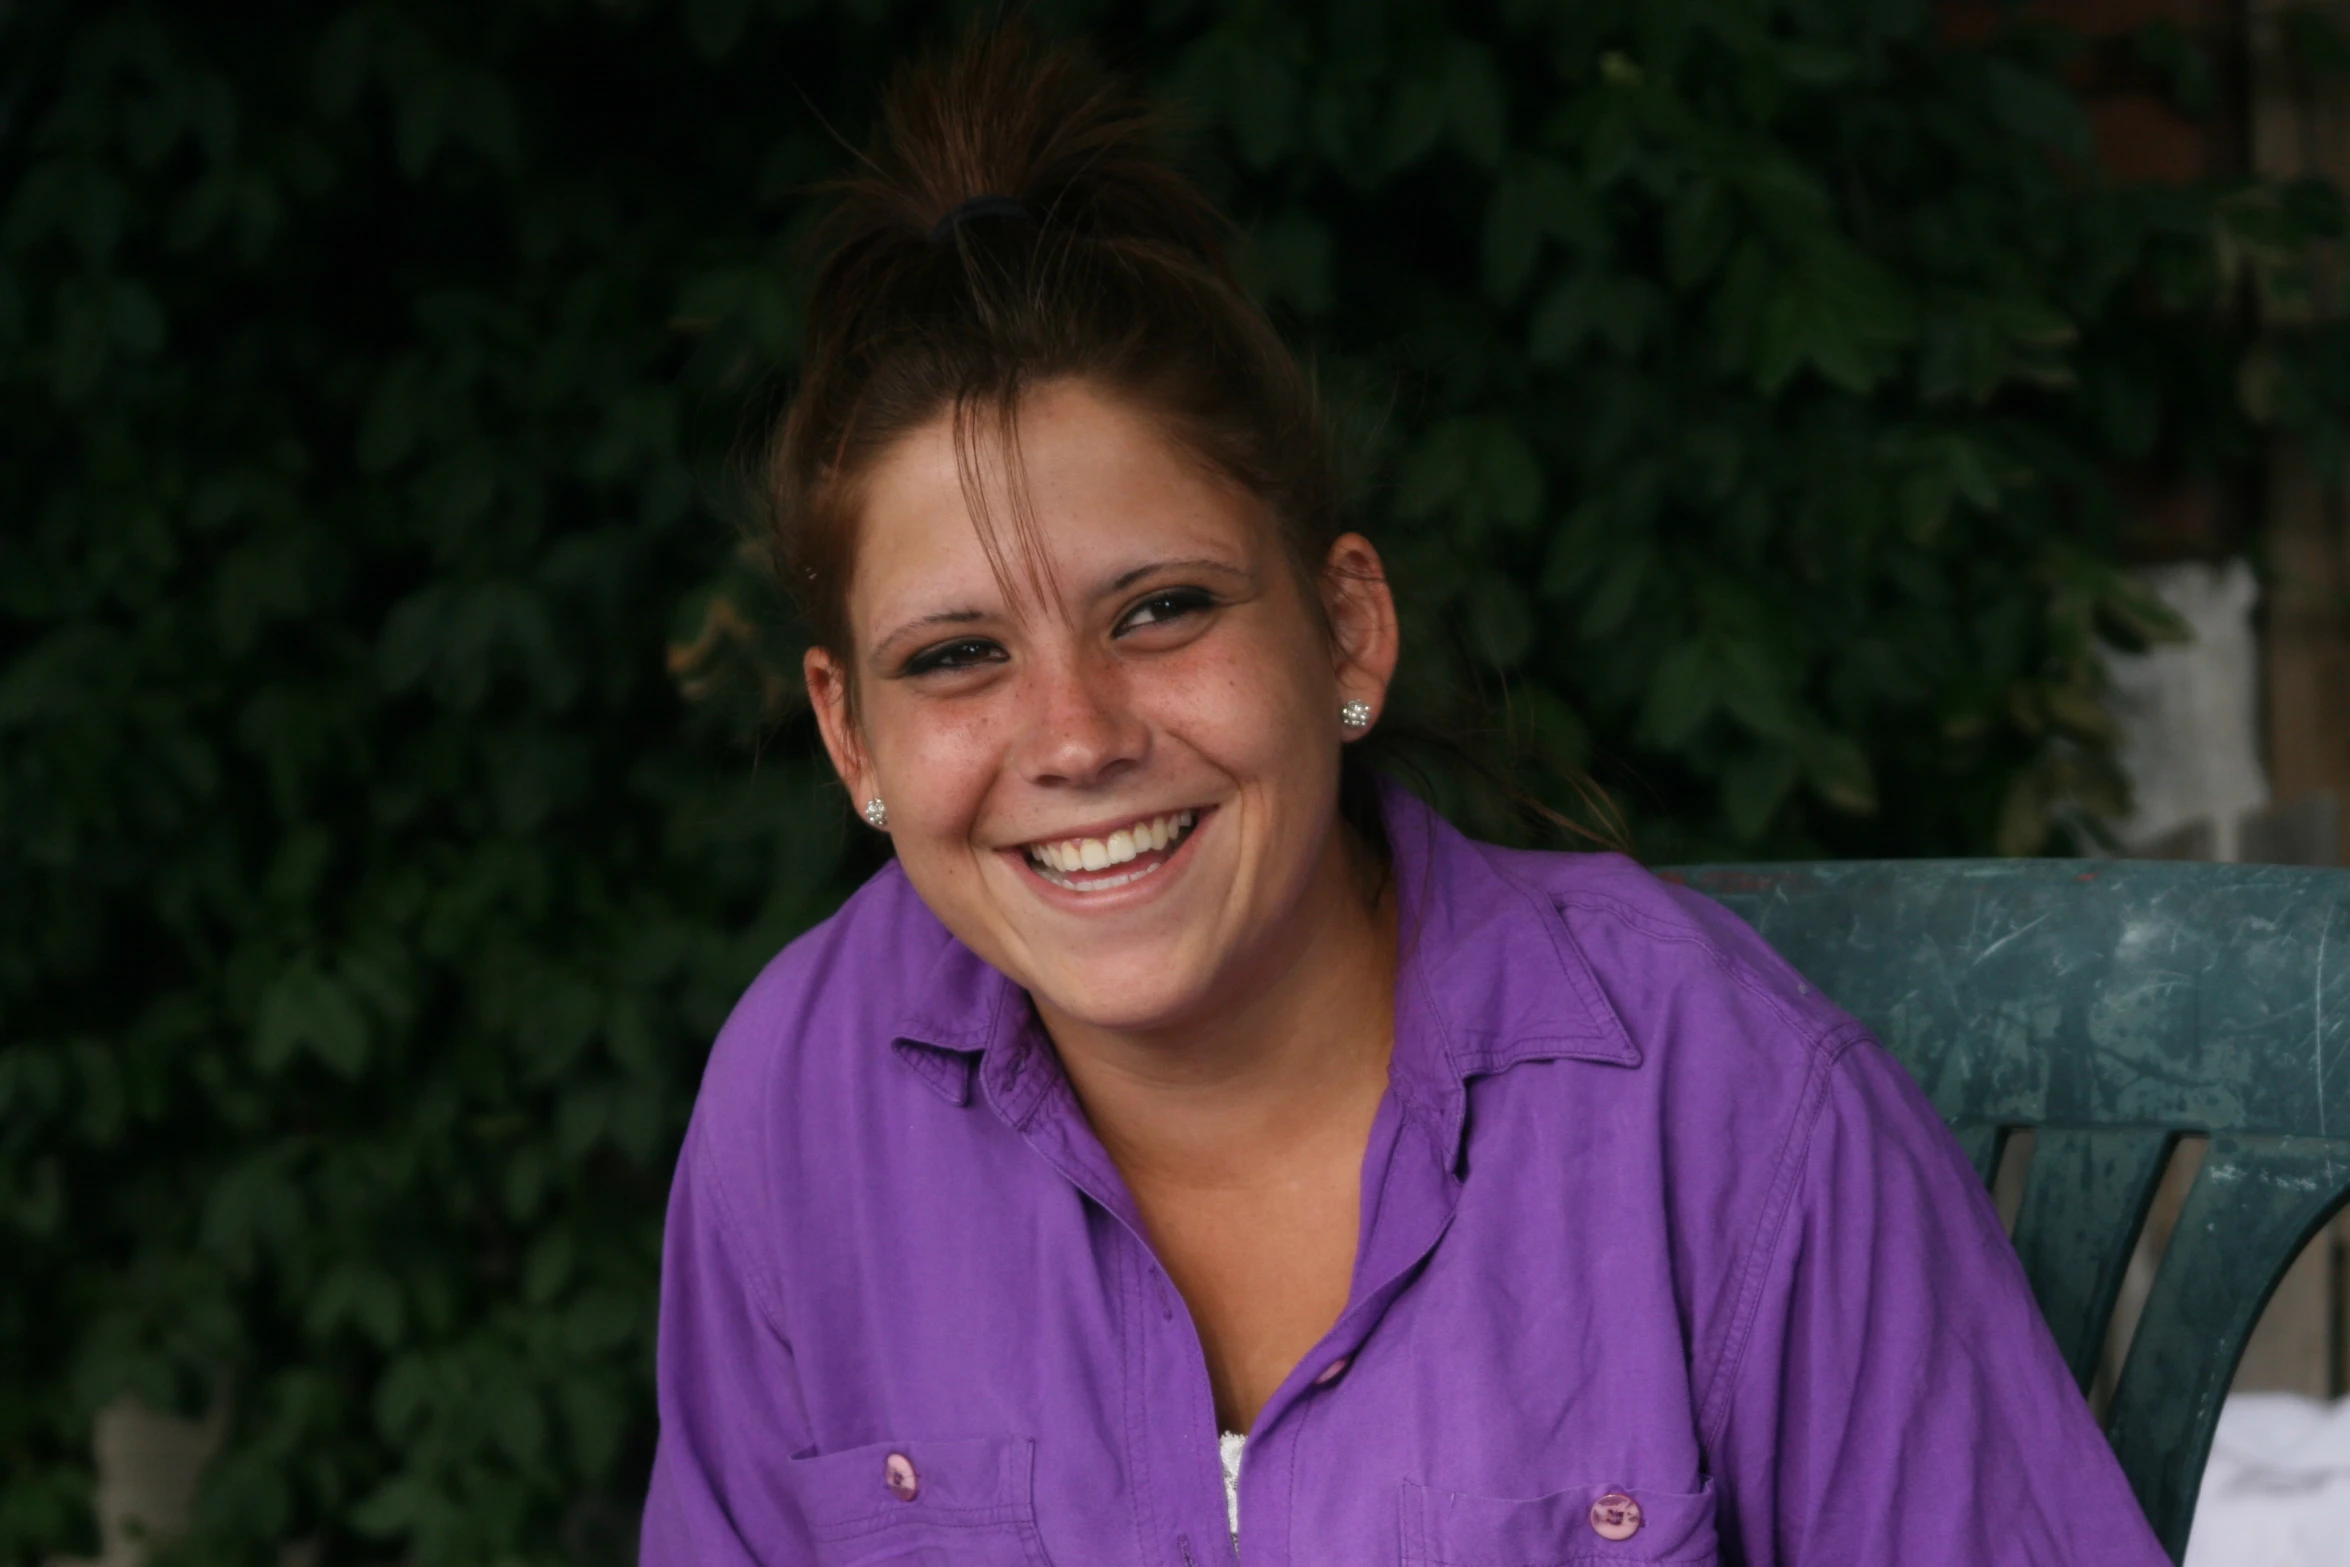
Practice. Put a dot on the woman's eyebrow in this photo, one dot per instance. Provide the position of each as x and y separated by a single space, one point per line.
1128 579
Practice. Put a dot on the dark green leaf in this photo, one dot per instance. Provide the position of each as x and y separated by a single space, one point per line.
1681 695
1753 787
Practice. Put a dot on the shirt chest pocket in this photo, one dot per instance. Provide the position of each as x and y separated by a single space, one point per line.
921 1504
1586 1524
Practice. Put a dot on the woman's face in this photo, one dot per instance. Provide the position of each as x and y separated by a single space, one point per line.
1119 785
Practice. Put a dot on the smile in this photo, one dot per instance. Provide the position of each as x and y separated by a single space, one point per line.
1118 860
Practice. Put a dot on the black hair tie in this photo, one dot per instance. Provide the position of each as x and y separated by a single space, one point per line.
979 207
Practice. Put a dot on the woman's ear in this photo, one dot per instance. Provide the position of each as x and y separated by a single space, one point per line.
828 693
1364 635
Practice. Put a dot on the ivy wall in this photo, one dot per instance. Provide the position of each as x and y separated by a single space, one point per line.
399 772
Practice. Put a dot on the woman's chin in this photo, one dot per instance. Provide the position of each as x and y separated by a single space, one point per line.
1138 993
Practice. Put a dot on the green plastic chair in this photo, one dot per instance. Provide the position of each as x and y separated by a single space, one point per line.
2113 1006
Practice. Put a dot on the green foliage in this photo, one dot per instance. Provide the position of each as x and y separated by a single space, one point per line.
1740 388
1748 385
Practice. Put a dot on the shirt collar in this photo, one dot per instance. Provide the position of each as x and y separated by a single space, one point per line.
966 1022
1490 976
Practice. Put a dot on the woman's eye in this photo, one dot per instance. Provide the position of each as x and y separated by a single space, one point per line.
963 653
1170 604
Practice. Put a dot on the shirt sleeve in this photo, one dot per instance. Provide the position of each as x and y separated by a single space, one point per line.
728 1397
1899 1398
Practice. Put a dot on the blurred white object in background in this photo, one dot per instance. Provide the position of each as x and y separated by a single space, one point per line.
148 1464
2190 713
2277 1490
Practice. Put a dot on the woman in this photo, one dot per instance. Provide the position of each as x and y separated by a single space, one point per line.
1176 1083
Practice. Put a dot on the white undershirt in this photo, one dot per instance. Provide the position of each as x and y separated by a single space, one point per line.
1228 1445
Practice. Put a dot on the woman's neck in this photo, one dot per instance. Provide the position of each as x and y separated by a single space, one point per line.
1298 1054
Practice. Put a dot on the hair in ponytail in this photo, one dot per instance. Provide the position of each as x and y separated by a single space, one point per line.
1014 224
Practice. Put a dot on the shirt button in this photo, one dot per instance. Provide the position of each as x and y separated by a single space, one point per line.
898 1475
1332 1372
1615 1516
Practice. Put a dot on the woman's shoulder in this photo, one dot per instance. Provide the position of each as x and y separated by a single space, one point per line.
819 1018
1658 948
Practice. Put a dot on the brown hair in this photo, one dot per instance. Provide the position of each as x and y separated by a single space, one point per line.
1012 225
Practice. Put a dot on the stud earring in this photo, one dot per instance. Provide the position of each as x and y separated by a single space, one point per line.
1355 715
877 814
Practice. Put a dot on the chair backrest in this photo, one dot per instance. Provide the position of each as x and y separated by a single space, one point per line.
2112 1006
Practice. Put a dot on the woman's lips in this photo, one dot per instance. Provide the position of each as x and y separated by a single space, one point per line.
1115 859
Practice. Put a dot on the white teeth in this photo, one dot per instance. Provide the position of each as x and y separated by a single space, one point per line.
1069 855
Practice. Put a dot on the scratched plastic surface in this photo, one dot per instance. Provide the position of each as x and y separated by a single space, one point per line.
2112 1005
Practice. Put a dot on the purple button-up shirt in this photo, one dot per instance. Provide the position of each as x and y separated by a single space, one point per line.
1643 1216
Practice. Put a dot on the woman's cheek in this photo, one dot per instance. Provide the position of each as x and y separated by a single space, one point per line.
1240 700
944 753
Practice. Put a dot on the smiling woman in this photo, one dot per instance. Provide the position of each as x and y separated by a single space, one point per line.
1162 662
1187 1145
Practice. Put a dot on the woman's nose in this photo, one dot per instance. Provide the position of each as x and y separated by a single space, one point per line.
1082 726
